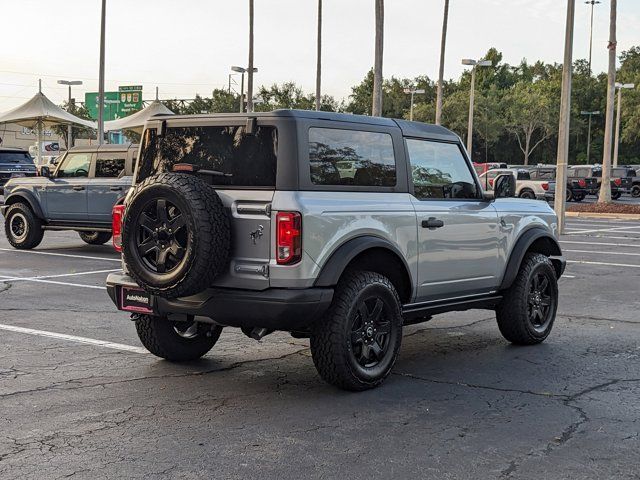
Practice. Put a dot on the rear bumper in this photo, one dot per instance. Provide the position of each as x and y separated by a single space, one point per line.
273 308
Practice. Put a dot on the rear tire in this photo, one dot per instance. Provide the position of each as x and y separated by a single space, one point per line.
22 228
95 238
528 194
579 198
569 195
528 309
357 344
616 196
635 191
176 341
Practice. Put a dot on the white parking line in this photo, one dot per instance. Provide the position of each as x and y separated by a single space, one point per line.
73 338
608 237
39 280
604 263
35 252
614 229
604 253
605 244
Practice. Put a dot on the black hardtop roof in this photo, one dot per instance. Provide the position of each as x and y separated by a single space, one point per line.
110 147
408 128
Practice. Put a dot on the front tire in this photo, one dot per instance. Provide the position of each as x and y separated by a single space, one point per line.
356 346
22 228
95 238
635 191
176 341
528 309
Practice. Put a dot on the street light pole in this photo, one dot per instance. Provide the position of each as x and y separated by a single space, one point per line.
69 127
412 91
101 76
472 94
590 114
242 71
559 203
592 3
319 58
250 67
620 87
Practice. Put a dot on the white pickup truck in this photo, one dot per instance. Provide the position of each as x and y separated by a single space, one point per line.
525 186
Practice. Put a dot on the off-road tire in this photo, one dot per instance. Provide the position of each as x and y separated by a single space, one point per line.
208 235
616 196
512 312
158 335
331 344
95 238
635 191
579 198
528 194
33 225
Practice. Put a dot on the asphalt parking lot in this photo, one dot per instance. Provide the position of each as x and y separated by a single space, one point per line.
80 398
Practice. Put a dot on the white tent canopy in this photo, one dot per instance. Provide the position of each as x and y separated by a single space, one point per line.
137 120
40 112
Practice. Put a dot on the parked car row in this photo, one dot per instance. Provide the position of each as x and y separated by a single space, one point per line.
538 181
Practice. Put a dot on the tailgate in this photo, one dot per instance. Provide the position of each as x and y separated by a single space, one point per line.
250 215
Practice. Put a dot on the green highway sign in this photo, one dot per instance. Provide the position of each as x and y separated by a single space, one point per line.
127 100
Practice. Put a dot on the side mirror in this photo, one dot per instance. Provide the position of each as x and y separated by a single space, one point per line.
504 186
45 171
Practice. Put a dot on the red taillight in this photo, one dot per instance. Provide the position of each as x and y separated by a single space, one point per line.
491 182
545 186
117 215
582 183
617 181
288 237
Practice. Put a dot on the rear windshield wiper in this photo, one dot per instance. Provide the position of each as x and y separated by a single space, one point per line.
190 168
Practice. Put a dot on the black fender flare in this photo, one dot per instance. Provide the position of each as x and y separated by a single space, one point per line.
25 196
334 267
522 245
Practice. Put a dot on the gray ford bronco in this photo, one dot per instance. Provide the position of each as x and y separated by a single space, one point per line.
78 195
335 227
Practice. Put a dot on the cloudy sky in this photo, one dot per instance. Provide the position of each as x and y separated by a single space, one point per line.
186 47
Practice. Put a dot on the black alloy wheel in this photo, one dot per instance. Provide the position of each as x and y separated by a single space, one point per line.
162 236
370 333
540 301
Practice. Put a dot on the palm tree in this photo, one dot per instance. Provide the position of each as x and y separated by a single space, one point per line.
605 188
319 57
443 43
376 111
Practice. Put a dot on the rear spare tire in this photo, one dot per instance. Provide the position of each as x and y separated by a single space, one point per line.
176 235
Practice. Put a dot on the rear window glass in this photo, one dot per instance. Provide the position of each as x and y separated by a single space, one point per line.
351 157
109 166
619 172
523 175
16 157
243 160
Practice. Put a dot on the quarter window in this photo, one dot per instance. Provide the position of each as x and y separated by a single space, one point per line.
109 166
75 165
439 170
351 157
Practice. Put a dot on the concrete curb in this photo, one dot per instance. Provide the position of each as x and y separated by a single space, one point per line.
620 216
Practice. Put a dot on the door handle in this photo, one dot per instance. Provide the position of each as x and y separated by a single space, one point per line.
115 189
432 223
78 188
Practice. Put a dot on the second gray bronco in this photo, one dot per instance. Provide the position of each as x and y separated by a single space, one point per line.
338 228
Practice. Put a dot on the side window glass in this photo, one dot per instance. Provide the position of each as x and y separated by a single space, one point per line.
440 170
75 165
351 157
110 165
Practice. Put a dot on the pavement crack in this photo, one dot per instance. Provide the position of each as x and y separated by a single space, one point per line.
482 387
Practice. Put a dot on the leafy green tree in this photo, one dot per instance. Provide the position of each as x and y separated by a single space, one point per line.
530 115
80 111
